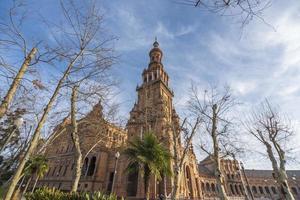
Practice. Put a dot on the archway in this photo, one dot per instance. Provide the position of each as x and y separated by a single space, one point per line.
189 182
132 183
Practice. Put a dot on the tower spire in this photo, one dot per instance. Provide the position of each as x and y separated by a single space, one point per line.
155 44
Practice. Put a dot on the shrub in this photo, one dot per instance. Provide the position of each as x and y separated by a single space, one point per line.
54 194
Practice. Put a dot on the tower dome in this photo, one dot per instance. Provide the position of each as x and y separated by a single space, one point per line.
155 53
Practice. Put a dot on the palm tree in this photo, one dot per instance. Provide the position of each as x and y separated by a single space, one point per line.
37 165
150 157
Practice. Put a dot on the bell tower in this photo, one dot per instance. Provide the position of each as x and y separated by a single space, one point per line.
153 109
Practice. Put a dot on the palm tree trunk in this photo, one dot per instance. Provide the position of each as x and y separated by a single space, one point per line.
26 186
147 189
36 135
35 182
16 82
76 141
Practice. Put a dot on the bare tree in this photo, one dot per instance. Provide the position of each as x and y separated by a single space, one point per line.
272 130
27 54
187 131
80 48
76 141
245 9
214 109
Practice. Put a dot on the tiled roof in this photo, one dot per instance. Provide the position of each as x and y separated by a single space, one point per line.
268 173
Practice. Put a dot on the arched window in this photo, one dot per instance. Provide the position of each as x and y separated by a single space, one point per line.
207 187
189 180
132 182
65 171
202 186
248 189
241 189
273 190
261 190
228 176
254 189
213 188
267 189
232 190
59 171
237 189
92 166
53 172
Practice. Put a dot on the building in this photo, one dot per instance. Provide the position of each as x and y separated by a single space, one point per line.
154 111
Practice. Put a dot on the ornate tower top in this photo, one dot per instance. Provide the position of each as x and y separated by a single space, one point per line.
155 53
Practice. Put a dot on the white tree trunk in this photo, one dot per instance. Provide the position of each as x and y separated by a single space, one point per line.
76 141
280 173
16 82
36 135
35 182
216 157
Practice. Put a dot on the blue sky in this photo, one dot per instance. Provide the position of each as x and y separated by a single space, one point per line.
258 61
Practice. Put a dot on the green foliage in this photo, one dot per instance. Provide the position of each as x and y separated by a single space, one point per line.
149 156
53 194
37 164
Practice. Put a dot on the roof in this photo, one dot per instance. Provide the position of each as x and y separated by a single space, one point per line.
268 173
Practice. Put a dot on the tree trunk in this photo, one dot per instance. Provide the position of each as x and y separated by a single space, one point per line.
36 134
35 182
26 186
282 176
16 82
147 188
218 174
75 138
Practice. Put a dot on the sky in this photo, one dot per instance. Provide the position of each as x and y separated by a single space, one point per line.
260 60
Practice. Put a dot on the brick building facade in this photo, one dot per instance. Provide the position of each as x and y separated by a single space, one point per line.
153 111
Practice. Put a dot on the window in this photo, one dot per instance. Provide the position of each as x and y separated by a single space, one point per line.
232 190
132 182
58 173
237 189
267 189
248 189
273 190
202 187
53 172
261 190
111 178
66 167
254 189
241 189
207 187
92 166
213 187
228 176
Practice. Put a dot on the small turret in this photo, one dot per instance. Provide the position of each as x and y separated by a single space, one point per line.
155 53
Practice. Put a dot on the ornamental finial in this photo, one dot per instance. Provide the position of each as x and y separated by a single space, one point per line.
155 44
